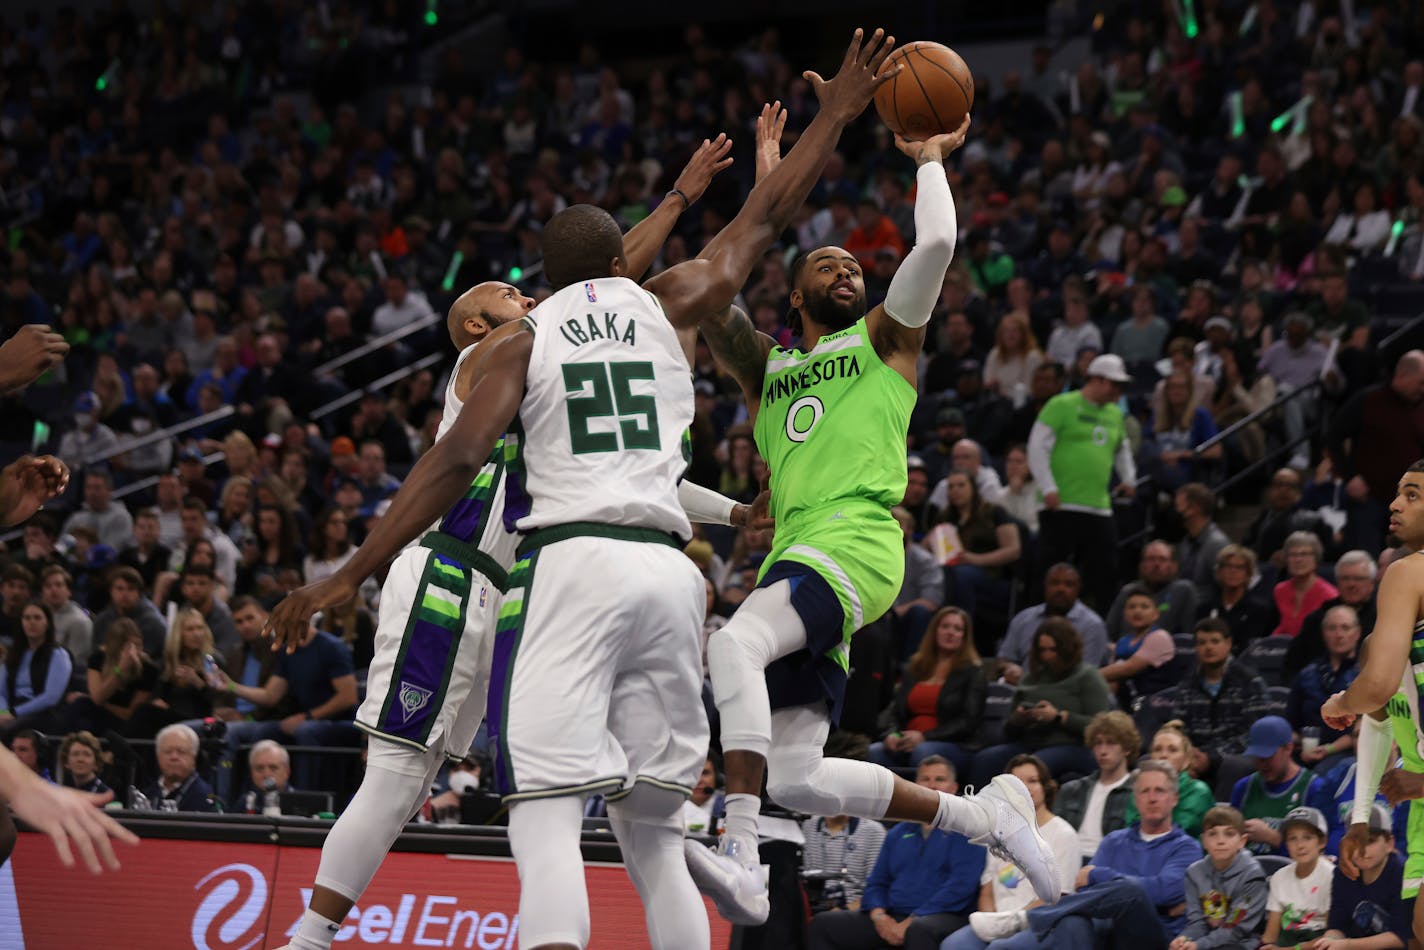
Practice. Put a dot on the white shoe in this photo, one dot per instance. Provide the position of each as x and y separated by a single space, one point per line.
991 925
738 889
1014 834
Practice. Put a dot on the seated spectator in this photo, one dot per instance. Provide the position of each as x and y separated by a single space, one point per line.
1176 597
1020 497
1076 332
1140 340
1362 227
196 528
375 482
321 682
26 745
922 889
35 675
1355 576
1002 887
273 550
1282 516
354 625
1298 907
178 778
921 591
147 554
1295 362
1061 586
1202 539
109 519
1096 804
330 547
38 545
1278 785
120 678
1319 681
1241 392
127 602
17 589
940 701
845 845
1303 590
1133 894
1216 703
1226 890
1143 653
1179 425
1009 367
198 588
269 767
1376 891
184 692
90 442
73 627
1052 706
82 756
978 542
1234 601
1194 798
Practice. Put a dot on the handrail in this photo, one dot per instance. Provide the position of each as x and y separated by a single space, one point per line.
163 435
1390 340
1267 459
371 346
1240 424
377 385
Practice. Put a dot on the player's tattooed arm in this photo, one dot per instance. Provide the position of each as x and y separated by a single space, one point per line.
740 349
646 238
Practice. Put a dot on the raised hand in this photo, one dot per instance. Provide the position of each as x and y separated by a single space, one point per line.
289 623
936 148
849 91
769 126
33 349
27 483
709 159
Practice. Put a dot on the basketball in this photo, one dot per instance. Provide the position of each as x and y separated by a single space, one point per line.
931 95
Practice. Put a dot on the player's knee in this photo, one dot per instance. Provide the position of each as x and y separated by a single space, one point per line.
791 782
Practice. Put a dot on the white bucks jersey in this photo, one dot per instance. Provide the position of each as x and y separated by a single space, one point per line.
607 401
477 518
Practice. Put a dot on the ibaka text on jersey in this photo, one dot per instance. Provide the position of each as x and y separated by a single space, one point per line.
821 371
578 332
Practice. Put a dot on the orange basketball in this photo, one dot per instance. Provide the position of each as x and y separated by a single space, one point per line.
931 95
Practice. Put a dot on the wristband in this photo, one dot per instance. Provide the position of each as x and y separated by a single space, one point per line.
678 191
232 687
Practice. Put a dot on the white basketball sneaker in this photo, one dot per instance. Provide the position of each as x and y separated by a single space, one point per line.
1014 834
738 889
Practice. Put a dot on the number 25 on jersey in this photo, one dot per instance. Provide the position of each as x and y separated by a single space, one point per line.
605 391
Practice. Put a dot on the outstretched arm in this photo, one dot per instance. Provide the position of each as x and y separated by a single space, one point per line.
645 239
436 482
1383 666
898 325
695 289
740 349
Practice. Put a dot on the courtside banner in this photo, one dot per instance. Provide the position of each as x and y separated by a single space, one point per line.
222 896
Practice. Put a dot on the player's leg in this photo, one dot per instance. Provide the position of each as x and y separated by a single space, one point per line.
396 784
544 835
648 825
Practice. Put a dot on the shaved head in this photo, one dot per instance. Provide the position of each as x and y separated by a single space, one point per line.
470 317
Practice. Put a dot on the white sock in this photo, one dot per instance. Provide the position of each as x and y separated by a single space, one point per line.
314 932
963 815
742 812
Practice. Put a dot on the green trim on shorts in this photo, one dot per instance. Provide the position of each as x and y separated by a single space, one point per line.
512 615
684 790
563 791
397 740
469 555
540 537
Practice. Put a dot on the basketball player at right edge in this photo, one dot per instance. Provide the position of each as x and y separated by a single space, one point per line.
831 421
1386 694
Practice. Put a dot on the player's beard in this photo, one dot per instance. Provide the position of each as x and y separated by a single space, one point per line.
826 311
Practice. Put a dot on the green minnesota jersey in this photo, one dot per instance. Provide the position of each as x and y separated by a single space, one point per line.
1403 707
1086 438
832 425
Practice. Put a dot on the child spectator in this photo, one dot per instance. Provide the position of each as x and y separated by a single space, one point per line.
1226 890
1299 901
1369 911
1144 652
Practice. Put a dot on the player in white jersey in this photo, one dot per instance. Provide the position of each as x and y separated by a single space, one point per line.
598 410
429 677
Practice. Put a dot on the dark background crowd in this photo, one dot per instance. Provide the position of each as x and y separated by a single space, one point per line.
248 221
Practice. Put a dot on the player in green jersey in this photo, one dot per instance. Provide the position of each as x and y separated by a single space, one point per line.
831 420
1391 675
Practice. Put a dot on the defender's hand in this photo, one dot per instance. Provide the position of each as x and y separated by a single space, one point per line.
849 91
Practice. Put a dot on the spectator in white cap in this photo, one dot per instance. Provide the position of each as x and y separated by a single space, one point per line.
1077 441
1299 901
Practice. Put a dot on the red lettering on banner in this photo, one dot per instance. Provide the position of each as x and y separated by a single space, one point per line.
220 896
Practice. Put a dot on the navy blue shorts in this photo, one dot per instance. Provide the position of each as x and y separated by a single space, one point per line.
809 675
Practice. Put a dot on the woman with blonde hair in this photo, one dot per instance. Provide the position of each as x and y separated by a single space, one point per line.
937 709
1014 356
1179 424
240 455
1172 745
183 689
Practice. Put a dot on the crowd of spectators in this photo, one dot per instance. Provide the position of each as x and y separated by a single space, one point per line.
1162 237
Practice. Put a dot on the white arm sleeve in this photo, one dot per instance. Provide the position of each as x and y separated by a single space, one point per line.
1040 450
703 505
1371 756
916 285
